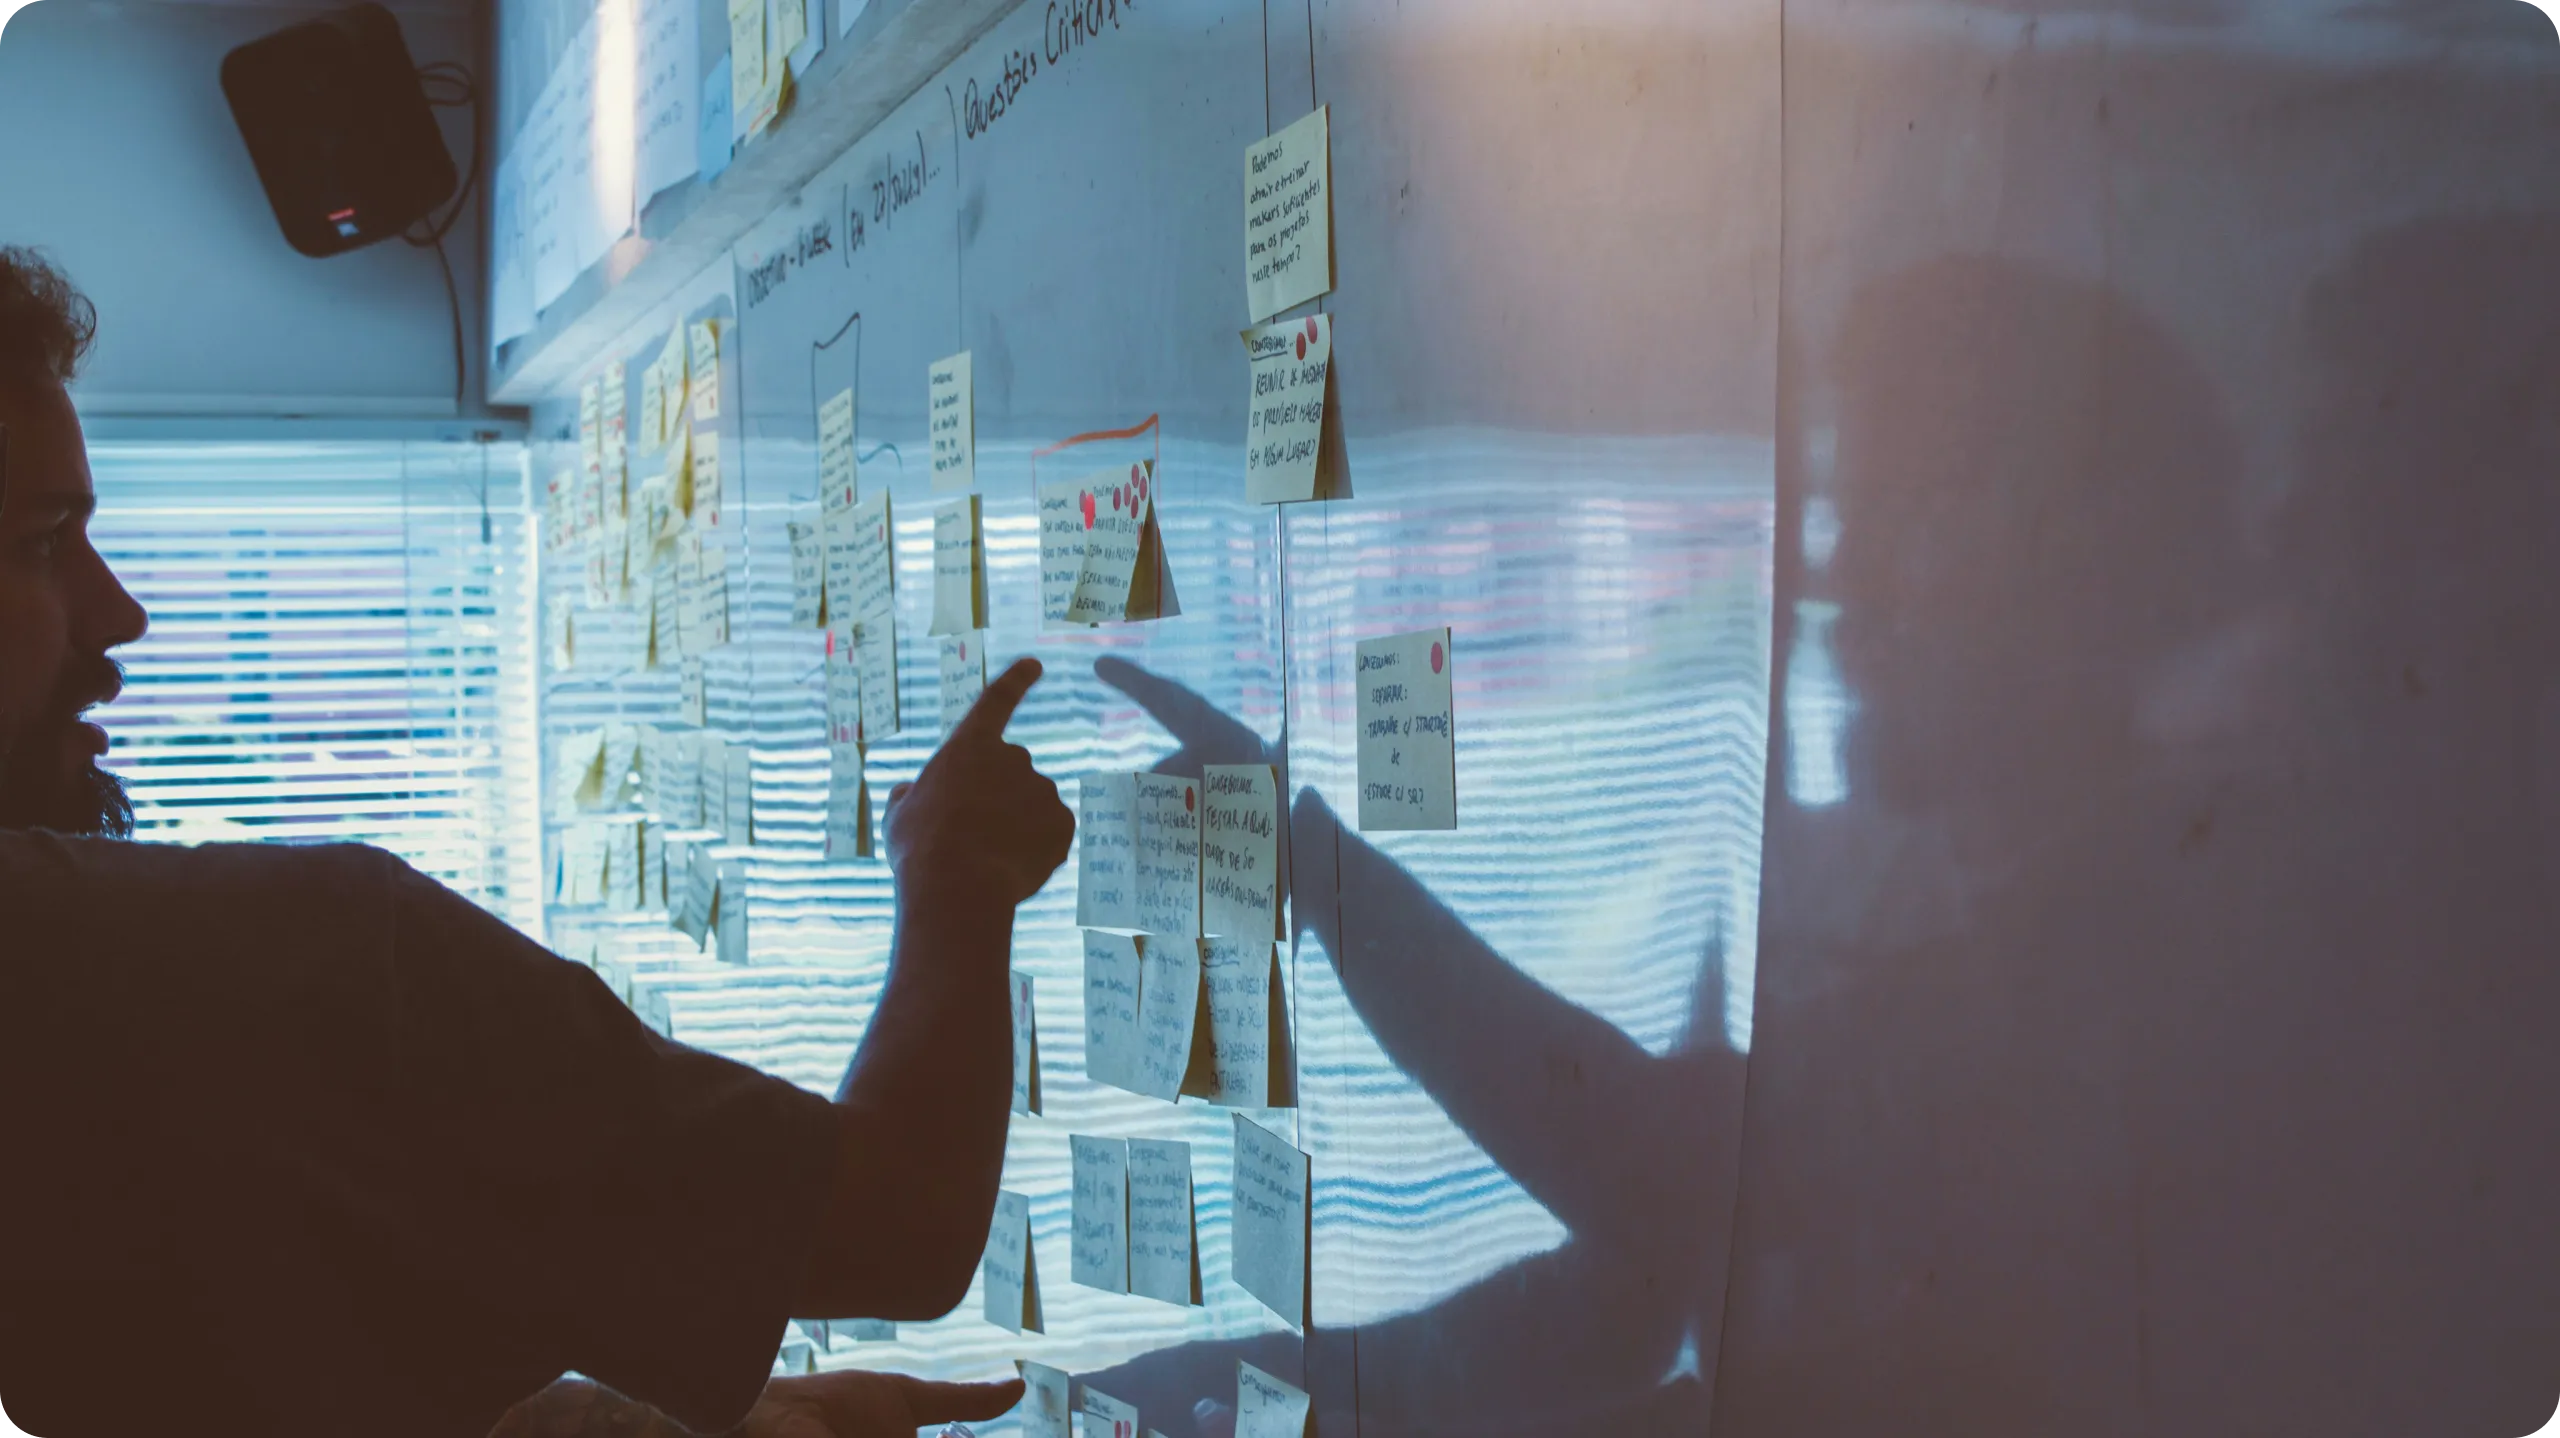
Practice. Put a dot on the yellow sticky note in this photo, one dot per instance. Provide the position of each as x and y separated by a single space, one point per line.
1288 217
790 28
951 420
1271 1220
705 369
1164 1258
1406 752
671 381
1284 427
959 569
1012 1291
746 55
1100 1256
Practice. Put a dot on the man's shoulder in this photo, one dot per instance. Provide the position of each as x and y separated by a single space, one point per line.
40 856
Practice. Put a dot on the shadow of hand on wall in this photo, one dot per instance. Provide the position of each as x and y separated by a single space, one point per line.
1612 1330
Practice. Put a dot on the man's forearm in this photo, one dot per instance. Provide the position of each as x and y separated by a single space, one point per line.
926 1102
572 1408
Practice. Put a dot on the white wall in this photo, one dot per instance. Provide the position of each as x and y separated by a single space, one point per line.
119 156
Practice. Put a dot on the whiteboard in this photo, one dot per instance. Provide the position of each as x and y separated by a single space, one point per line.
1519 1044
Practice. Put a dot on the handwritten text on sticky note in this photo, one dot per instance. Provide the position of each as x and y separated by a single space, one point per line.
1406 752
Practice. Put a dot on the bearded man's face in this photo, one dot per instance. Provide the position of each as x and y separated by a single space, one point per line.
61 612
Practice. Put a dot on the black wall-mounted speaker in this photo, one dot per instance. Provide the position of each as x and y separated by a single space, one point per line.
339 129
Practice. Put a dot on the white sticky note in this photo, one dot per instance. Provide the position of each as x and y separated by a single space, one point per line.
705 370
707 489
1108 1417
1168 855
836 469
843 678
951 420
875 653
622 860
1241 1056
616 761
1164 1259
693 692
808 574
964 674
715 786
729 912
1101 1210
1240 851
1113 973
1168 1007
653 408
848 827
1107 851
1011 1297
1098 556
1045 1410
1026 1047
1271 1220
1288 217
1266 1407
701 894
959 569
1291 364
873 568
740 826
1406 750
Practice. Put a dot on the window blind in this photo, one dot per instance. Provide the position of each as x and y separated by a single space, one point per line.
341 650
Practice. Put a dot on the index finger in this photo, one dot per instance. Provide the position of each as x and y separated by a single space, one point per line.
1003 694
932 1402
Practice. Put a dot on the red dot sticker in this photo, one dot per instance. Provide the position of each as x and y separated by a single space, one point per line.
1302 346
831 643
1311 331
1186 798
1436 656
1135 473
1088 509
1116 505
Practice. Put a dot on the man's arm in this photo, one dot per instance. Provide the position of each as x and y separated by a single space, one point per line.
574 1409
926 1102
850 1404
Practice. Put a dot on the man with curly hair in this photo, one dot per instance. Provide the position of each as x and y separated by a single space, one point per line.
294 1141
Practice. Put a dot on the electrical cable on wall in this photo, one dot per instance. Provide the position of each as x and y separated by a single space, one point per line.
449 85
